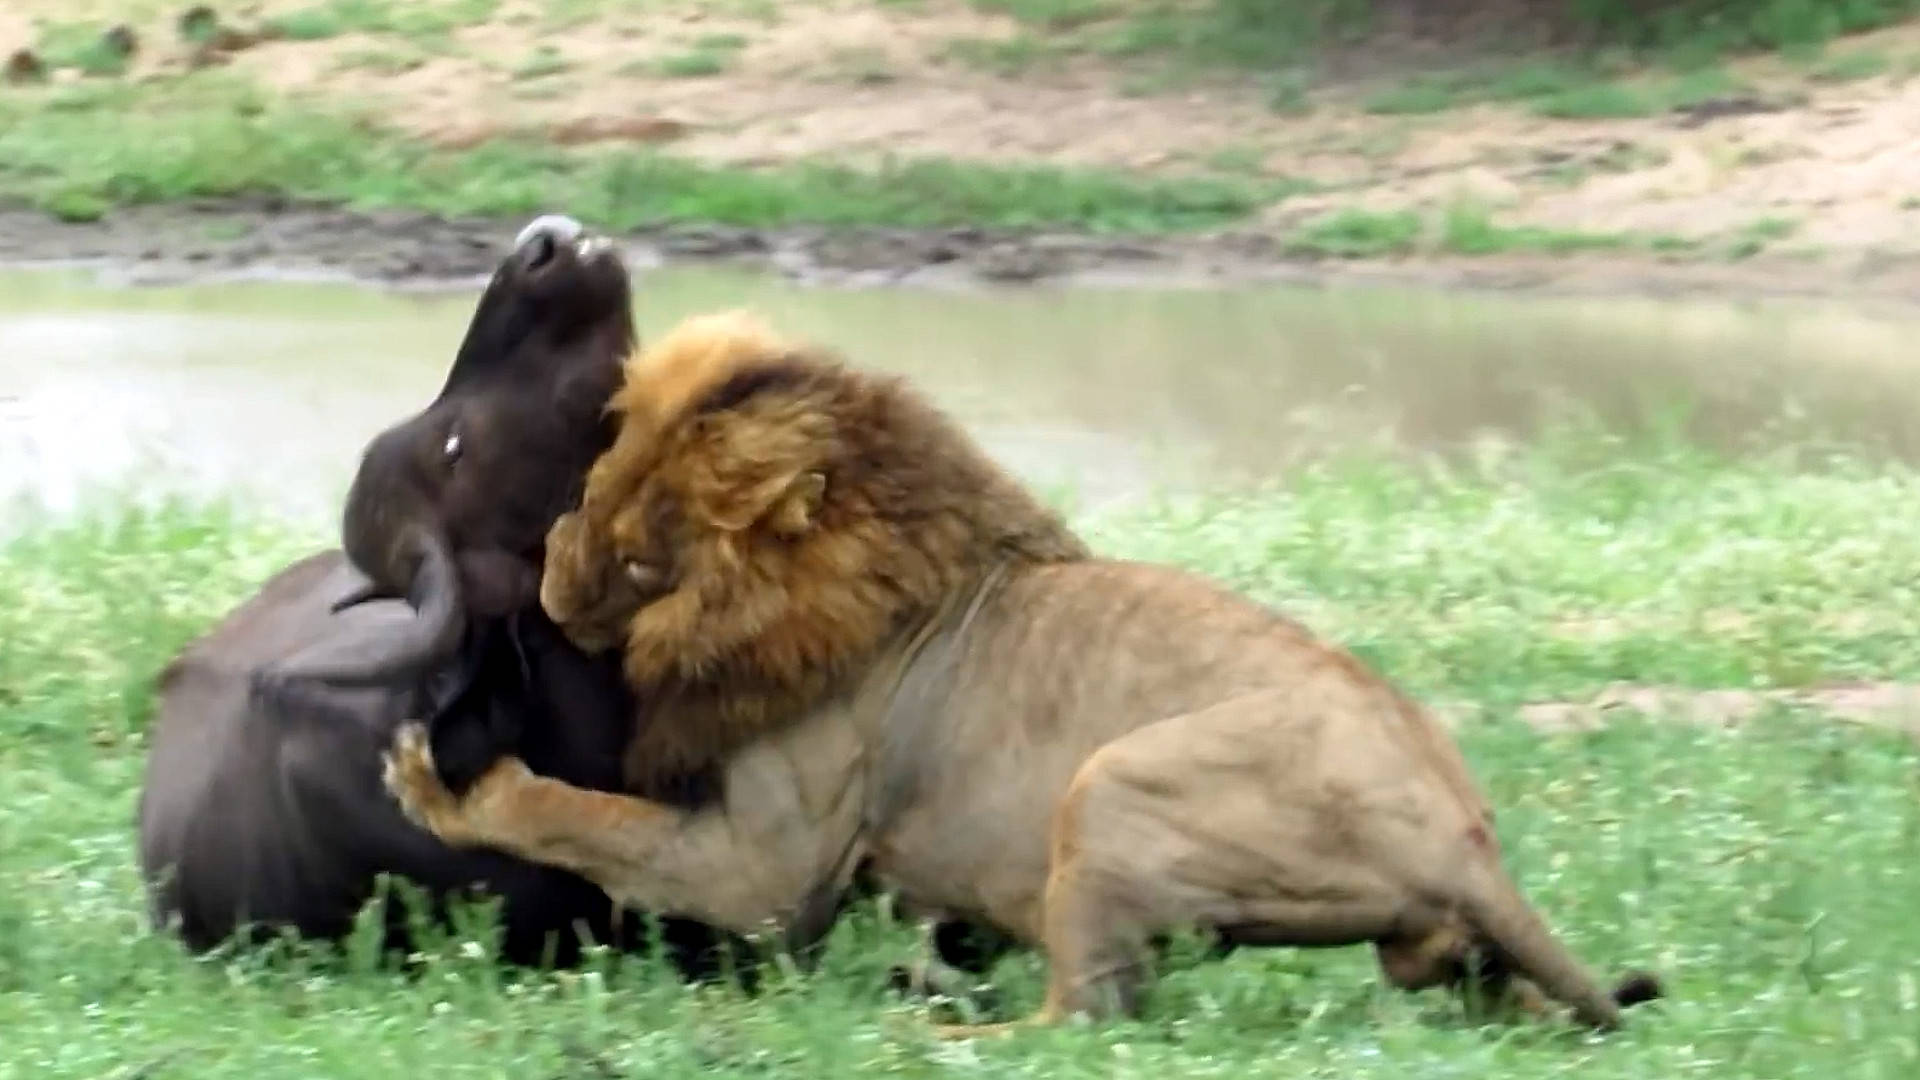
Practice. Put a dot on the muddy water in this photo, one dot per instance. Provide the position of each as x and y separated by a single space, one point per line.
268 390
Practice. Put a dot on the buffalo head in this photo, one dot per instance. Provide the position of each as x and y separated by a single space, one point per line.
449 508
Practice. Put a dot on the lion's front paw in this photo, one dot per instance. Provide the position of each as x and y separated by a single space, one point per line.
408 772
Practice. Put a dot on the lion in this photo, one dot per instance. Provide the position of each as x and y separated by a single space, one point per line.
901 660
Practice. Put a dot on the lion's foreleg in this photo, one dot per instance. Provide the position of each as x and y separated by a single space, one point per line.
606 838
749 866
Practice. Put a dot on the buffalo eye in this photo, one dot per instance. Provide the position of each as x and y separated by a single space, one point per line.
451 448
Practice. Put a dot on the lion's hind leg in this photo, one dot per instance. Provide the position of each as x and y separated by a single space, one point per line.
1442 954
1189 823
1446 955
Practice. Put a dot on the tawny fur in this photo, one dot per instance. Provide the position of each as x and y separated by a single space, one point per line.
934 677
796 514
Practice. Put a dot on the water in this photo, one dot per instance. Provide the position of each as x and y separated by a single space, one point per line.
268 389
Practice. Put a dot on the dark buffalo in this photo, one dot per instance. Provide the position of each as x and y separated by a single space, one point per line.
262 807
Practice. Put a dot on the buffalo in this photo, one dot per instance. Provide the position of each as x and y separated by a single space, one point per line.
261 809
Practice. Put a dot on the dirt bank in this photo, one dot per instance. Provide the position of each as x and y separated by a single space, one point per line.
233 238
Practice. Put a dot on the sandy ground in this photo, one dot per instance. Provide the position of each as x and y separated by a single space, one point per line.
1831 170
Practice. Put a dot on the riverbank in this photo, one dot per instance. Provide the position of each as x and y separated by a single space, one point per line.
943 139
215 239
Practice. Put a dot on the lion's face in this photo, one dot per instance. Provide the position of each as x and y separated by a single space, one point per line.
695 522
619 554
589 589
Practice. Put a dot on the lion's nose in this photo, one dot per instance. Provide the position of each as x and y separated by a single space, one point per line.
543 236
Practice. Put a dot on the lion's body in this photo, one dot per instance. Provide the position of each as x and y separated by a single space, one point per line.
1063 663
1080 753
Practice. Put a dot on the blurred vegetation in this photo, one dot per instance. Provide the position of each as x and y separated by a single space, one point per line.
66 150
1261 32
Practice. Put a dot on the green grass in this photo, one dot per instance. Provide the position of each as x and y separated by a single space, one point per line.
1252 33
1262 33
82 46
1600 39
721 41
65 149
1467 230
543 61
1851 66
1596 101
1459 230
1768 871
693 64
1016 55
428 19
1536 79
1054 14
1553 572
1755 236
1699 85
1560 90
1241 158
710 55
860 65
1288 93
1701 28
1359 234
1414 97
383 61
1204 37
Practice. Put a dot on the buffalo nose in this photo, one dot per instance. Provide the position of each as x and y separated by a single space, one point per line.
542 236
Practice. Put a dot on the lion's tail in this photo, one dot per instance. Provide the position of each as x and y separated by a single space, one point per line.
1504 920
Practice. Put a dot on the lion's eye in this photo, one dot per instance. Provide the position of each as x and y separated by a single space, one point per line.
643 577
452 447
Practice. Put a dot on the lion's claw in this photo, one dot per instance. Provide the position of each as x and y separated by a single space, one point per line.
408 773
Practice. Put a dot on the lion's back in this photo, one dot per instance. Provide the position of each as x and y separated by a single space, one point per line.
1104 646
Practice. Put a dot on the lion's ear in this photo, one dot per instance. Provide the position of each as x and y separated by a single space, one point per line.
794 512
787 504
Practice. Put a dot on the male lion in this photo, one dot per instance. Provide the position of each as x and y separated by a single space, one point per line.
899 656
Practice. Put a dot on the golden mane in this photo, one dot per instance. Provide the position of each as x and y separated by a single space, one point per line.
766 521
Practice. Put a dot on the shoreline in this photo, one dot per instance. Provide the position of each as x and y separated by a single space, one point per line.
237 239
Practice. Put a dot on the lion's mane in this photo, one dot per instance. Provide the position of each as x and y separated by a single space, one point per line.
789 516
